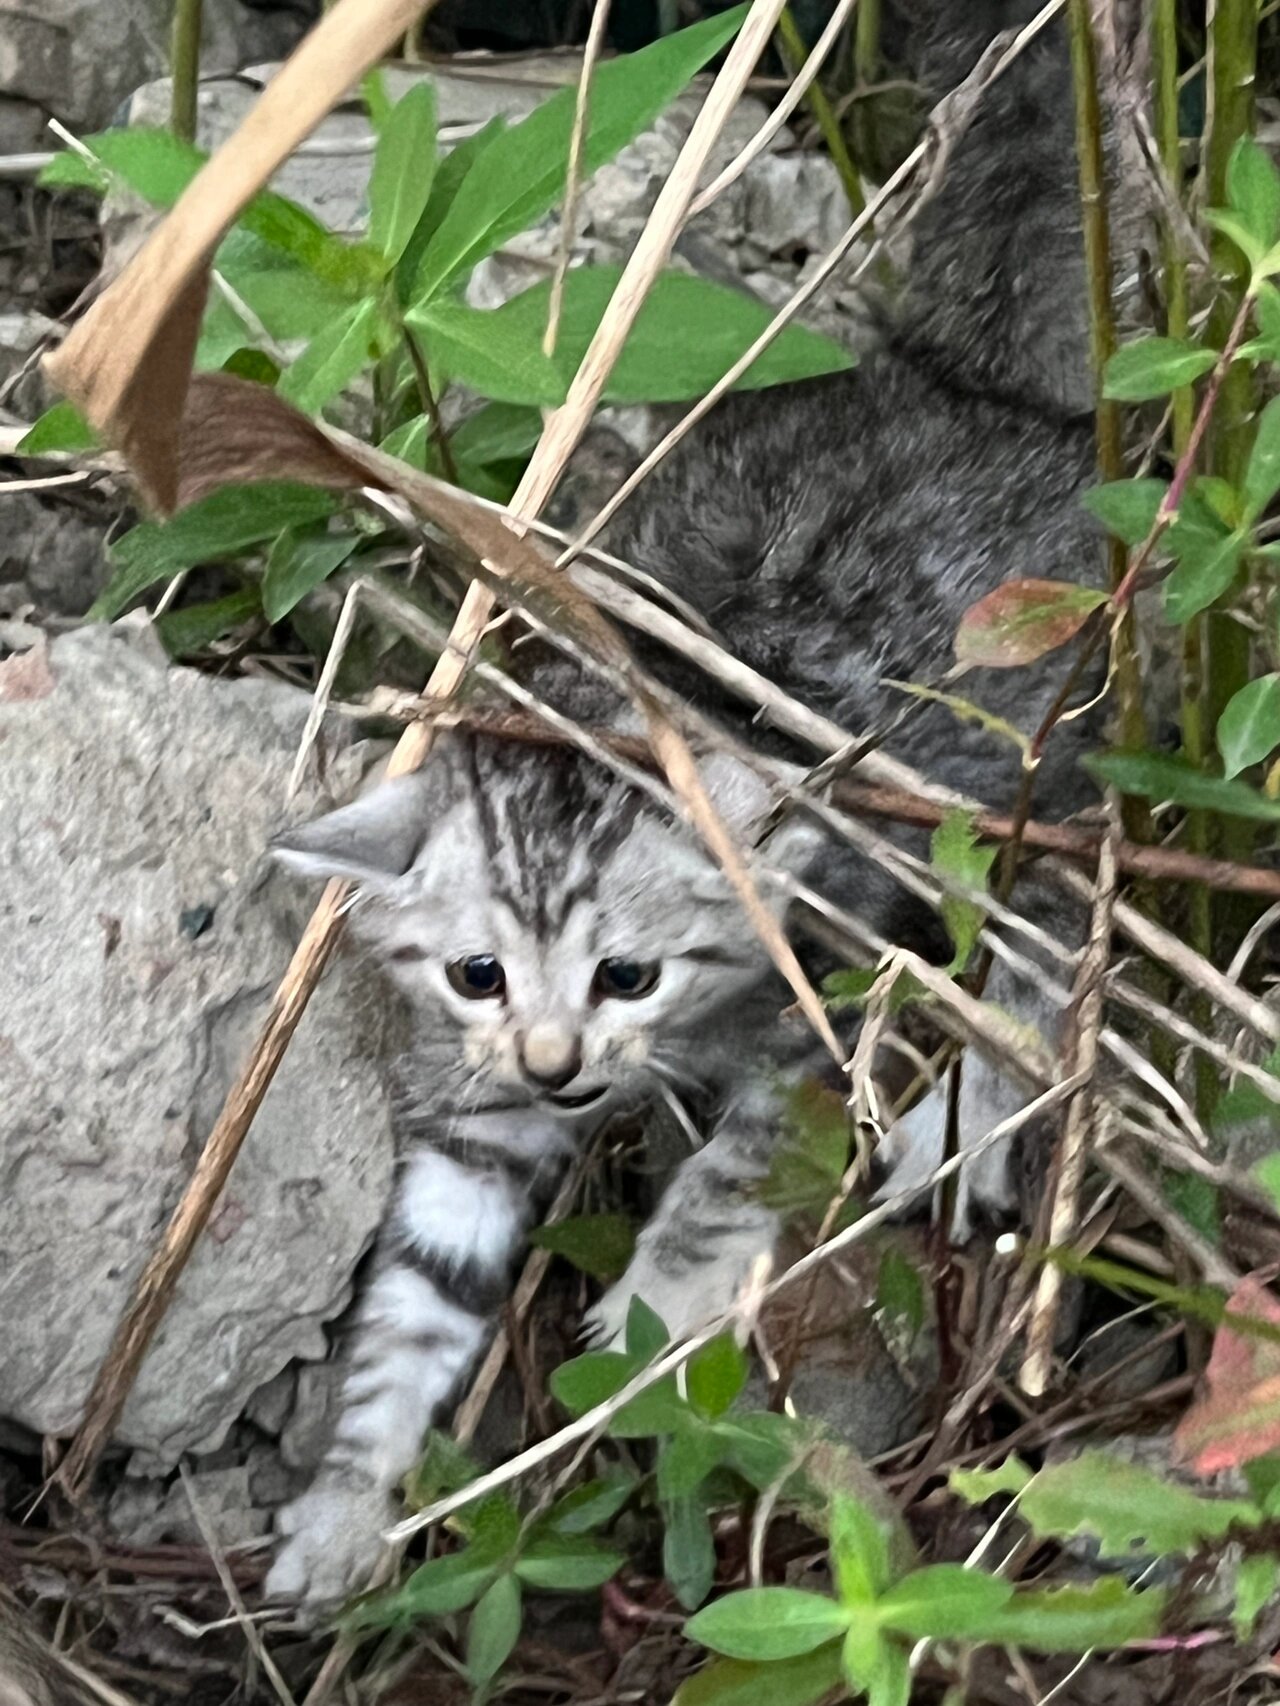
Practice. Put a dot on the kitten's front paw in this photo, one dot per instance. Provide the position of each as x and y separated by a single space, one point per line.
333 1535
682 1302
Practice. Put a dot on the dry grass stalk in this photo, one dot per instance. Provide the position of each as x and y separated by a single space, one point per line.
572 182
1084 1054
781 113
250 1631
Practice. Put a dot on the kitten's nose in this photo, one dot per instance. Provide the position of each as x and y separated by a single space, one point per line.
550 1057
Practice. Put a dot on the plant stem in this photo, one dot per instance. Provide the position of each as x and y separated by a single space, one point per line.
866 70
1102 340
184 56
1169 140
793 52
1232 64
431 408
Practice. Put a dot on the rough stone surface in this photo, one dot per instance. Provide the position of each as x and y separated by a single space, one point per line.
143 935
78 59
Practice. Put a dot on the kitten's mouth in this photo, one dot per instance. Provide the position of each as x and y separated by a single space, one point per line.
586 1099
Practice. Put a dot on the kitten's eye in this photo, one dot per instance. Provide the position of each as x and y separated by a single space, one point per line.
624 980
479 977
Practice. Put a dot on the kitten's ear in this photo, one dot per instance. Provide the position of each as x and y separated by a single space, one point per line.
745 800
374 840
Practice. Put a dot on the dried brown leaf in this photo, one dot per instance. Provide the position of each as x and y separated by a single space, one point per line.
127 363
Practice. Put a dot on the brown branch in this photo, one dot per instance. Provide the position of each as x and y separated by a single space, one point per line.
1168 864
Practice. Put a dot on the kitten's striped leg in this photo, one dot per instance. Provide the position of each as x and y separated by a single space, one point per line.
696 1255
461 1212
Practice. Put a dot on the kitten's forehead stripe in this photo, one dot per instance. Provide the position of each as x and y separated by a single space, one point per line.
573 803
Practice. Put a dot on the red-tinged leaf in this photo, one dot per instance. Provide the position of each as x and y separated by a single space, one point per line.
1238 1419
1022 620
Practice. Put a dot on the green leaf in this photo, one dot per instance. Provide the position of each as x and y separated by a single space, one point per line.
1197 1201
876 1667
900 1296
976 1486
332 359
492 1525
955 851
859 1551
1267 1171
494 1629
520 173
799 1681
435 1589
768 1623
1153 367
646 1332
61 428
403 167
808 1166
942 1602
451 169
1157 776
185 631
1262 477
1249 727
759 1447
715 1375
587 1380
1127 1508
658 1410
1253 189
1233 227
1206 569
291 301
1262 1477
1076 1620
487 353
687 335
591 1505
1256 1582
220 526
597 1244
686 1460
1020 621
568 1564
299 563
689 1559
1127 508
499 432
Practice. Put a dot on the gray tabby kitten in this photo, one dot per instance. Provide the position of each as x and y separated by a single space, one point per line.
565 951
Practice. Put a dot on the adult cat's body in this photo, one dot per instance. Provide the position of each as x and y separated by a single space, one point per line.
565 950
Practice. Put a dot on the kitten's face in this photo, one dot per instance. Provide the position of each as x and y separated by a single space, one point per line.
558 939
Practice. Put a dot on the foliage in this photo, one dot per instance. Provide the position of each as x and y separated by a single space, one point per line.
382 326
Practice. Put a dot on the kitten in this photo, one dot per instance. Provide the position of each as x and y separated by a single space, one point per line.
566 951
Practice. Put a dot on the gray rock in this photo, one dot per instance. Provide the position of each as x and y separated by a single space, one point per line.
22 386
142 940
78 59
52 543
145 1512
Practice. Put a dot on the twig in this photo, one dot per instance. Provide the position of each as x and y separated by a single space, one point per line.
679 1354
324 688
1216 1270
248 1628
573 171
1087 1002
782 112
